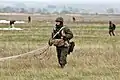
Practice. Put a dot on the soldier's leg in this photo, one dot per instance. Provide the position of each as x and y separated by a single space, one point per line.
113 33
63 58
110 32
58 54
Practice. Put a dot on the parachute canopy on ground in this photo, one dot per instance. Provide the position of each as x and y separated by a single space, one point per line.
5 21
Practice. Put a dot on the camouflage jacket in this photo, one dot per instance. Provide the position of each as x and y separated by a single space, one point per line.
112 26
68 33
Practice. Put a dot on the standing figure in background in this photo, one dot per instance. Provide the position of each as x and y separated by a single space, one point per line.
12 22
74 19
112 28
29 19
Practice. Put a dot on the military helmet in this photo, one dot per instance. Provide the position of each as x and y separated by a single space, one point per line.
110 21
59 19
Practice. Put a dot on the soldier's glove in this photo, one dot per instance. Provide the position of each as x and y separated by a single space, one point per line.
50 42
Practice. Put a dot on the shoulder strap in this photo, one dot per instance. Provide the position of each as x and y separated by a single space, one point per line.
58 32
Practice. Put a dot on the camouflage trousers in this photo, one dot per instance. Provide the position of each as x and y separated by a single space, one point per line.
62 55
111 31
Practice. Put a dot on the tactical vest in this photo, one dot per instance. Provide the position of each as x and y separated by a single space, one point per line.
55 30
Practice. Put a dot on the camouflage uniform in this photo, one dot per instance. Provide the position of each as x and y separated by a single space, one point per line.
29 19
62 51
111 28
74 19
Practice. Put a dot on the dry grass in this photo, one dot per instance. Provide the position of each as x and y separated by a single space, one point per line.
96 55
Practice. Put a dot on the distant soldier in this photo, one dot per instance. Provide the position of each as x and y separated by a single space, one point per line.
12 22
61 36
74 19
29 19
112 28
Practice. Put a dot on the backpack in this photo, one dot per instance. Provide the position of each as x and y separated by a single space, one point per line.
114 26
71 48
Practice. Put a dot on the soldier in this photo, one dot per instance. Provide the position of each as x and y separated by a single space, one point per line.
61 41
12 22
111 28
74 19
29 19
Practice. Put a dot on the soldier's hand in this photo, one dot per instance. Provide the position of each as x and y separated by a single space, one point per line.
50 42
64 38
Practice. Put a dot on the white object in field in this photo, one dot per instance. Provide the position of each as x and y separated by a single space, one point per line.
47 22
73 14
20 22
5 21
18 29
13 26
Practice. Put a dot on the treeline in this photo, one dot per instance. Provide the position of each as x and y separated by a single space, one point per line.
50 10
37 10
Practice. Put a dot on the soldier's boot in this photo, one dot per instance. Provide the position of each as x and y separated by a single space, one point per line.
110 33
63 63
62 66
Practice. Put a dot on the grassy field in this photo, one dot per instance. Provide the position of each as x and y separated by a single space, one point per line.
96 55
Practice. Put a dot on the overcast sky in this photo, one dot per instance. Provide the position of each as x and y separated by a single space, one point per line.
70 1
